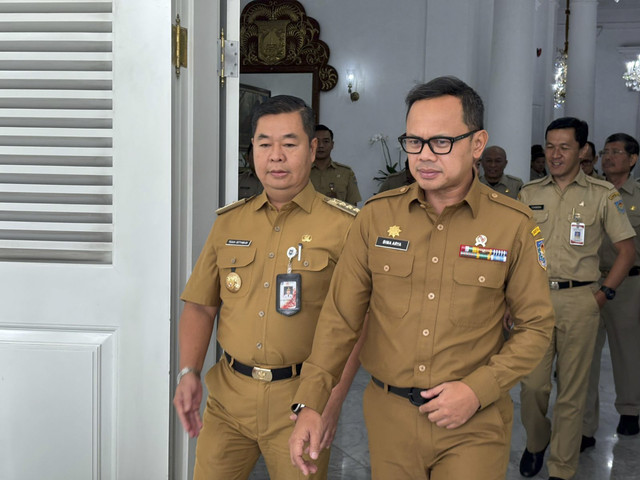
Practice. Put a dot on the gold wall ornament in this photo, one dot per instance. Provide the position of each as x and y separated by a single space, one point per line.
278 36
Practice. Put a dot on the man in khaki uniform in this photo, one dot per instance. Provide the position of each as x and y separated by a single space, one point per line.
619 319
574 212
331 178
494 161
588 162
265 268
437 263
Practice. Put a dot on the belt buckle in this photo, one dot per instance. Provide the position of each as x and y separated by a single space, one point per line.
262 374
554 285
415 398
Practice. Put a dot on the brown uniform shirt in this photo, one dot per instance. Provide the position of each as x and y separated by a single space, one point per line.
507 185
601 210
396 180
630 192
336 181
435 316
252 240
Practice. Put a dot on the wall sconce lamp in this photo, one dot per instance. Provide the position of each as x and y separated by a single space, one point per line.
351 86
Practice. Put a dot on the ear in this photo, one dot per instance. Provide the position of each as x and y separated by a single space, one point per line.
478 144
633 159
313 146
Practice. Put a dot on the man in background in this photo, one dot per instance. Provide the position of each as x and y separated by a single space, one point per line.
494 161
588 162
331 178
619 319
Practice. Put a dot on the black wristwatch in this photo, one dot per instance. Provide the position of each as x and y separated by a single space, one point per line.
610 293
296 407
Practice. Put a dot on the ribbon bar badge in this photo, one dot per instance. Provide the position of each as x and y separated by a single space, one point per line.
482 253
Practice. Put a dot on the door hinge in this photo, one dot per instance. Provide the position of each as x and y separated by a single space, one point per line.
178 46
229 61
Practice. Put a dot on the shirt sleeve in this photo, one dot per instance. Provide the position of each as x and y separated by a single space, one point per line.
203 286
616 221
353 194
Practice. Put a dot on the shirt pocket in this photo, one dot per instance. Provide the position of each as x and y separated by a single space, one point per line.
634 218
540 217
315 269
239 260
478 290
391 276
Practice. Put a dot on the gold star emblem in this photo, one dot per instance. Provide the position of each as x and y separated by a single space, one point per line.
306 238
633 208
394 231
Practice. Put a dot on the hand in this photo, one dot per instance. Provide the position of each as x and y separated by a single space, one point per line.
601 298
507 321
187 403
455 404
330 417
306 438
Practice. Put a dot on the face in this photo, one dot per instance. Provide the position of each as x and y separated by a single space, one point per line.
282 155
442 174
562 153
587 161
493 162
616 160
538 165
325 144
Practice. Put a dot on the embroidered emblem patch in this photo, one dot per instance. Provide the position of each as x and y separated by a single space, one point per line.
614 195
535 231
542 259
619 205
481 241
480 253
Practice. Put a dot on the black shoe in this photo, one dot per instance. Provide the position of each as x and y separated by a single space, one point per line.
587 442
628 425
531 463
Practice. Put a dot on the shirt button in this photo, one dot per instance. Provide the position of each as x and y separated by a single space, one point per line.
431 296
494 195
434 259
425 332
440 227
277 229
305 263
266 284
386 268
233 261
422 368
271 254
481 279
258 346
261 313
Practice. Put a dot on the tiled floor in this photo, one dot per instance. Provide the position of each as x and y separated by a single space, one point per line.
613 458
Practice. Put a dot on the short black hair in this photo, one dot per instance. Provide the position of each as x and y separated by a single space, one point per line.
630 143
284 104
580 128
472 106
324 128
593 148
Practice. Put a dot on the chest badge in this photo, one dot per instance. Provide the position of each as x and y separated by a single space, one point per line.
481 241
233 282
394 231
306 238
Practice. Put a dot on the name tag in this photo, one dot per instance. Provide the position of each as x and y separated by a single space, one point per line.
238 243
536 207
392 243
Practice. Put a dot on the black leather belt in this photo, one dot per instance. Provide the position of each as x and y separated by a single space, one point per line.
263 374
412 393
567 284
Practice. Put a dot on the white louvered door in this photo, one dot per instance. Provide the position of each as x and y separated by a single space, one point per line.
85 227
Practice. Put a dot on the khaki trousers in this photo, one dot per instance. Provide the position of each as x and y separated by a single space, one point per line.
405 445
572 345
244 418
620 322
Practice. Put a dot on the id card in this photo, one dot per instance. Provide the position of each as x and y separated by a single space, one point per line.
288 293
577 233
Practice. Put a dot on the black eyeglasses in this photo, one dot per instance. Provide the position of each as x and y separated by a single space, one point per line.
438 145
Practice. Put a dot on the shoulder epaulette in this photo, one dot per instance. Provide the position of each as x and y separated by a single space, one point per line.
514 178
597 181
394 192
232 205
535 181
510 202
338 164
344 206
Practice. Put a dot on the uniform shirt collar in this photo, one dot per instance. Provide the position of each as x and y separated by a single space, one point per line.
580 179
330 165
630 185
304 199
472 198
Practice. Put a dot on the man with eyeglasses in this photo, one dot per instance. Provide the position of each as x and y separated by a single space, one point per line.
588 161
575 212
619 320
437 263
